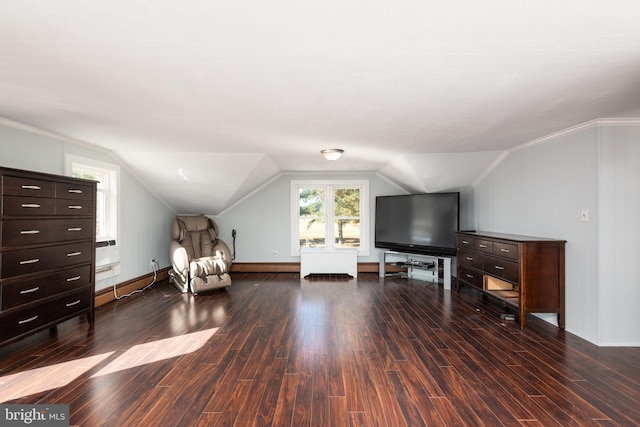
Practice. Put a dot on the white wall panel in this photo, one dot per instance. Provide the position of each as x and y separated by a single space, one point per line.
619 233
540 191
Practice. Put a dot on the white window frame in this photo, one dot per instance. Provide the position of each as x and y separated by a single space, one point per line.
329 186
111 192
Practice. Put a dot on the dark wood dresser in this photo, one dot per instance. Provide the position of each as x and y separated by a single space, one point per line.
47 251
526 273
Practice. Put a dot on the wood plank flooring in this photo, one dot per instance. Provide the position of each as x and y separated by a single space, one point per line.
274 350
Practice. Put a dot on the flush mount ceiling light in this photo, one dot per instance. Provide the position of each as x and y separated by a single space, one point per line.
332 153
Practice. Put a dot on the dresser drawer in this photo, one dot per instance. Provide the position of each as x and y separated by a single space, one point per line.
503 269
74 191
34 206
465 242
15 263
37 231
74 207
507 250
470 258
19 205
21 186
484 246
30 290
19 322
470 276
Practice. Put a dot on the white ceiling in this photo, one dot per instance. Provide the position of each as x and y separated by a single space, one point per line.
205 100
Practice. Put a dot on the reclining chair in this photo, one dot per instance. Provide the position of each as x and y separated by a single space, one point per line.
201 262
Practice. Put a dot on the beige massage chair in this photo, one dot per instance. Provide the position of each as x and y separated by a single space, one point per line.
201 262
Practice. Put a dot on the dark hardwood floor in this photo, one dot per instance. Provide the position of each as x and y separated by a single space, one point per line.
277 350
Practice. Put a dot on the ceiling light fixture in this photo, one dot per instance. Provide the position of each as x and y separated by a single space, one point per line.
332 153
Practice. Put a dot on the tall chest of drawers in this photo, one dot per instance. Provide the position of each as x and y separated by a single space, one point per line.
47 251
526 273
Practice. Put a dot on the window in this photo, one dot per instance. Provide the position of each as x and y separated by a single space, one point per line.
330 215
107 176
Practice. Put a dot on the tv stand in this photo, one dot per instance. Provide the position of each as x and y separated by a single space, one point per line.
421 267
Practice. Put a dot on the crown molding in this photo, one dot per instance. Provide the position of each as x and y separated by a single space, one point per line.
51 135
577 128
552 136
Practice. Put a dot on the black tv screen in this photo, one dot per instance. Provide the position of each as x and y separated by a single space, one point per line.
418 223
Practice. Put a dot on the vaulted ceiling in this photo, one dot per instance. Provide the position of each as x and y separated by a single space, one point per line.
205 100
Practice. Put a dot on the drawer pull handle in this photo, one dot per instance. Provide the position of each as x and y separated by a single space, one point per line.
75 207
469 258
70 304
469 276
30 232
73 254
483 246
465 242
31 319
28 291
499 267
30 261
74 229
504 250
74 191
30 205
31 187
73 279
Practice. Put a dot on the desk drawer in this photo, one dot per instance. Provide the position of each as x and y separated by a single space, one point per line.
15 263
37 231
33 289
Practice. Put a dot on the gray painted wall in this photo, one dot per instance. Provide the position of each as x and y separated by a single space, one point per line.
145 220
541 190
263 219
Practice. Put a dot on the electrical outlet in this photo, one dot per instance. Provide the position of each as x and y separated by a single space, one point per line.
275 253
154 262
584 215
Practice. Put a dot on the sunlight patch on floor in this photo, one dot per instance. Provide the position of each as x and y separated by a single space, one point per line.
37 380
156 351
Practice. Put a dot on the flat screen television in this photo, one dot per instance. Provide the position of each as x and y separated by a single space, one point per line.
418 223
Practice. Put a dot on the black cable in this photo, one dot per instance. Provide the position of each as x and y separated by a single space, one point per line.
233 235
